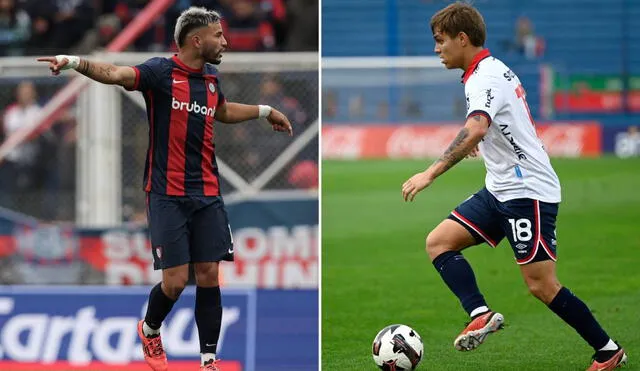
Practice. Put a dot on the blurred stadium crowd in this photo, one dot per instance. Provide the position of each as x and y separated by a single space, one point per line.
36 27
39 177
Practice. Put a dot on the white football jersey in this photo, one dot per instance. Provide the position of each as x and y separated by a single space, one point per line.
516 162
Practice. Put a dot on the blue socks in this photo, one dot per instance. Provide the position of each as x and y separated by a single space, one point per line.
576 313
458 275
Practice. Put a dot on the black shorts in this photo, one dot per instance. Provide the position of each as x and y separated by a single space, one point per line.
529 225
188 229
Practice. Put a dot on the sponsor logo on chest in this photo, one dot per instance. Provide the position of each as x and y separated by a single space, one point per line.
192 107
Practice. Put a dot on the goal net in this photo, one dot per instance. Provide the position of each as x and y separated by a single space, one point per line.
88 166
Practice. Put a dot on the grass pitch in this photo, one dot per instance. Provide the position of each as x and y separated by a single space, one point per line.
375 271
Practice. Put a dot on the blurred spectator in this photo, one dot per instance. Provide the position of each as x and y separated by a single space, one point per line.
73 18
382 111
107 28
526 42
246 29
18 167
275 12
151 39
302 22
82 26
15 27
272 93
356 106
329 104
42 14
411 108
59 25
304 174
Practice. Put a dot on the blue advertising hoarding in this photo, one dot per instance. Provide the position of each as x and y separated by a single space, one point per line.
96 325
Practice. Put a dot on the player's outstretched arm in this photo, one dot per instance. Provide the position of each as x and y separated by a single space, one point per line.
464 144
105 73
232 113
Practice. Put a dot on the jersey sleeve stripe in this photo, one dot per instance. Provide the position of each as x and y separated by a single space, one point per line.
136 85
480 112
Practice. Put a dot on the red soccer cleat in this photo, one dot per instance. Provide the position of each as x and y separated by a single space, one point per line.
210 366
607 360
477 330
153 351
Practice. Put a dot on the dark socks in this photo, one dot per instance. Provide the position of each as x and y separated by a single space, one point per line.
208 317
576 313
458 275
159 307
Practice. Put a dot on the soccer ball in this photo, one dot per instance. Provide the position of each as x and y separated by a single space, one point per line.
397 347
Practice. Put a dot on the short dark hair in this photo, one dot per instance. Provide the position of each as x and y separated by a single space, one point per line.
192 18
461 17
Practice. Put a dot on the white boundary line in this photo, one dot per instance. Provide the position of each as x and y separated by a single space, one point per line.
380 62
319 242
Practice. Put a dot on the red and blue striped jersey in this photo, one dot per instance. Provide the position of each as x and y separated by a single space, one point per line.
181 104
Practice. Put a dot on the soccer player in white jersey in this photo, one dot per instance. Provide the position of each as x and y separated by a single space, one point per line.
521 197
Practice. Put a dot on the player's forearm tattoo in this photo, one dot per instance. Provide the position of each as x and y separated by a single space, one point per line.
83 66
97 72
457 150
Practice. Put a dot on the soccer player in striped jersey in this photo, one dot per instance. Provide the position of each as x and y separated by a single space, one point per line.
521 197
187 219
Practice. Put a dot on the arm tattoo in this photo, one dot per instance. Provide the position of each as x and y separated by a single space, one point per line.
106 71
96 71
83 66
456 151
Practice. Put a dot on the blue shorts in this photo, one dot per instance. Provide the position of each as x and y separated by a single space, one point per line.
188 229
529 225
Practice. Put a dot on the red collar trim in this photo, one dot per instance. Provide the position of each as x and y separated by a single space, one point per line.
184 66
484 53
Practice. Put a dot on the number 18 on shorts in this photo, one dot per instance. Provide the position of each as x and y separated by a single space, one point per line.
528 224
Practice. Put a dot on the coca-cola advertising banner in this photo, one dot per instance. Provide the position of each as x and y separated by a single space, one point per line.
275 246
93 328
574 139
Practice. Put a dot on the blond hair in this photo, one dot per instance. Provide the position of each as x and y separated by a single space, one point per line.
192 18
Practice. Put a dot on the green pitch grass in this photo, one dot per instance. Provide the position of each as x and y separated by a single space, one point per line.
375 271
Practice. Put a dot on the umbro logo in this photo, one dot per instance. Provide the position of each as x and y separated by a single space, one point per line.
521 246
